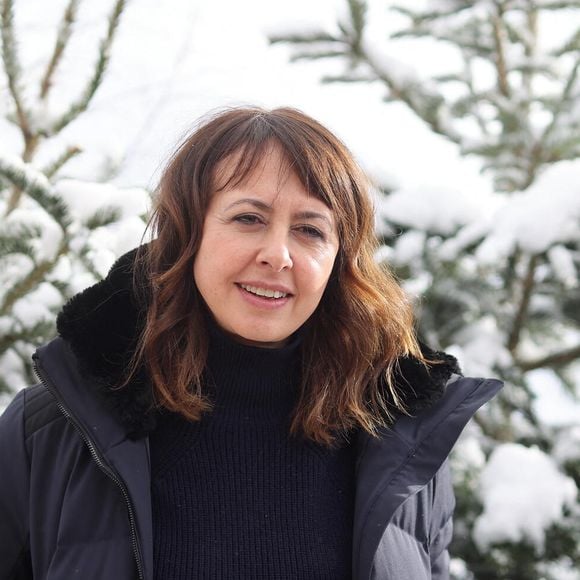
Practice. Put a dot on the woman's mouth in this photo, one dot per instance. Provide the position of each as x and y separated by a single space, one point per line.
264 292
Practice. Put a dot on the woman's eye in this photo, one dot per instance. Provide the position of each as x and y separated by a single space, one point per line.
248 218
312 232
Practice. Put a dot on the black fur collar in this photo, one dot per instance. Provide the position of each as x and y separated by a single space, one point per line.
101 326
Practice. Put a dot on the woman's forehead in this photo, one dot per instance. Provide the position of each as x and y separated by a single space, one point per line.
248 168
244 165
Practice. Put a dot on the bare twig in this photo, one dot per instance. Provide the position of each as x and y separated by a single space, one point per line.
521 315
552 360
499 39
530 41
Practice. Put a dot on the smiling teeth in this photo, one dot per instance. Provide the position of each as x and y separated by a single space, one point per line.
264 292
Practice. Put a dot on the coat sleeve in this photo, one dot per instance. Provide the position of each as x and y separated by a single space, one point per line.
14 488
441 523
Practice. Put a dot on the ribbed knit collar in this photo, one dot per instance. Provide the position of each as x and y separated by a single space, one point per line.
250 381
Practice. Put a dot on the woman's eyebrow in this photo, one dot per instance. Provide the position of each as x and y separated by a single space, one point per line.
268 208
306 215
255 202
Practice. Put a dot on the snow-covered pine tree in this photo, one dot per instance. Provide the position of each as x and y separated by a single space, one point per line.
52 230
497 277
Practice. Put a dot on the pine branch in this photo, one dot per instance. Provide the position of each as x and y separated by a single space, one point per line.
524 305
62 39
350 77
428 104
95 81
555 5
562 102
556 359
355 31
517 35
12 68
88 264
15 240
314 54
476 45
429 16
303 38
59 162
571 45
11 245
103 217
36 334
32 279
28 180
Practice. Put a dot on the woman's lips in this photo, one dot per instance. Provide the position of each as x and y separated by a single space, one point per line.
263 302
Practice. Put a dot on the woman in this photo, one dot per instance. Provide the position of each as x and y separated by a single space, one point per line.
243 397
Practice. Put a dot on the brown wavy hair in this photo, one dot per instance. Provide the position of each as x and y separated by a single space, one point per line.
364 321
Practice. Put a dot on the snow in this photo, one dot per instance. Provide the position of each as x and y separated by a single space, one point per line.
458 570
468 456
547 213
27 215
84 199
567 444
38 305
509 485
467 235
431 209
408 247
554 405
479 348
562 569
562 262
402 75
14 267
10 163
12 368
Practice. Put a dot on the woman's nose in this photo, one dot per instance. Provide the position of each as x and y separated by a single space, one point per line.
275 252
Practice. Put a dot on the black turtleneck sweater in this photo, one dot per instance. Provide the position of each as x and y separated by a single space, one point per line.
234 495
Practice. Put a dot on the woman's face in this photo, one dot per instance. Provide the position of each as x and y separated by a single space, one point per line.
266 254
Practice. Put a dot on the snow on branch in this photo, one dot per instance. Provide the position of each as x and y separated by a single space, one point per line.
509 485
419 94
545 214
61 160
438 10
28 180
556 5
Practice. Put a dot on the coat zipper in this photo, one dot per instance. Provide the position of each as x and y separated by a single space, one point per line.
102 465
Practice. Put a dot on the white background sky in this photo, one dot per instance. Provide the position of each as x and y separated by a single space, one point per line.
174 61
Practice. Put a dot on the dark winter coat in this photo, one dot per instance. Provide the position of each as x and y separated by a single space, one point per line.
75 468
